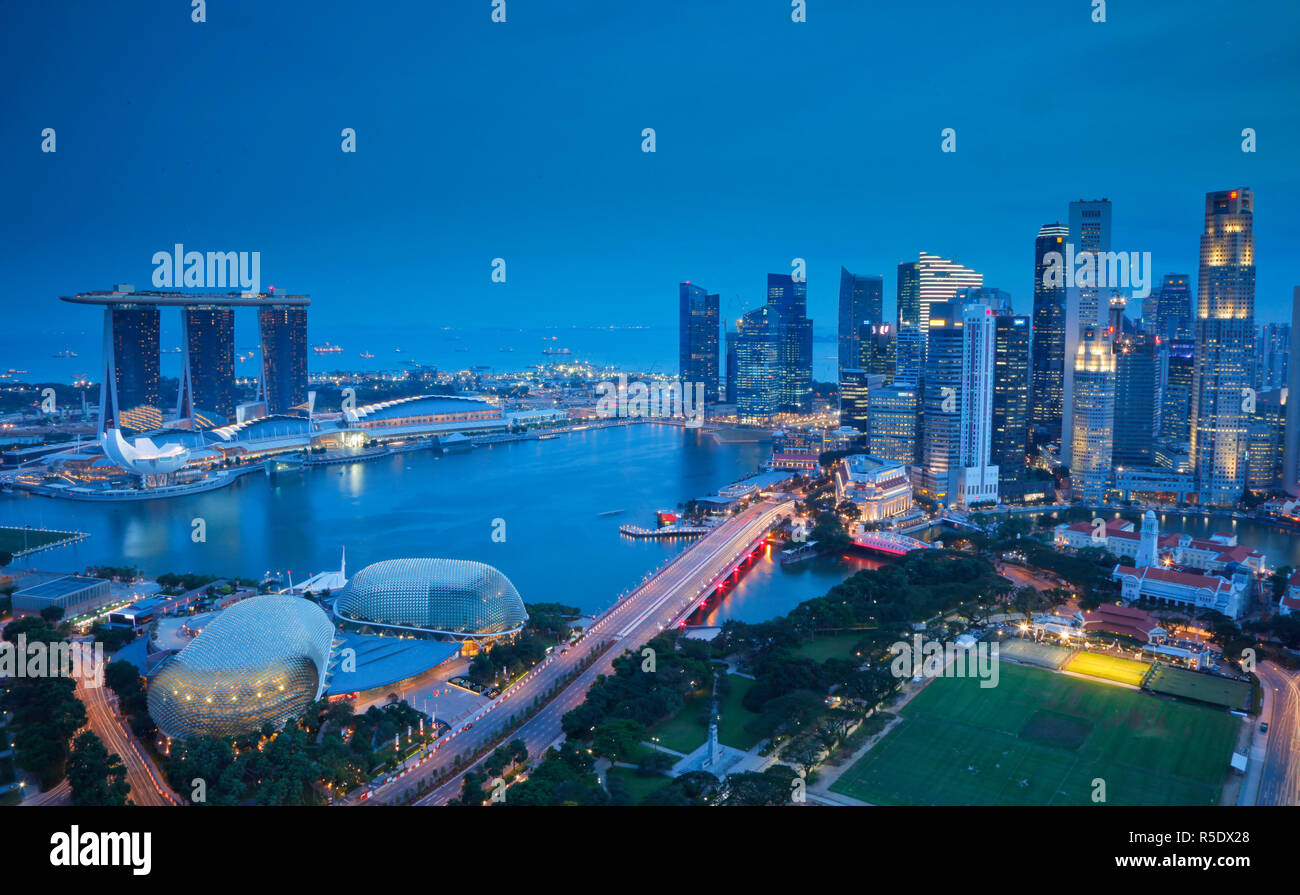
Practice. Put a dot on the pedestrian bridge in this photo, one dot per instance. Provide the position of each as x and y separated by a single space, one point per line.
888 542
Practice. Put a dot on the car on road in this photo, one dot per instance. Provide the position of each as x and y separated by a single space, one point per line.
1263 728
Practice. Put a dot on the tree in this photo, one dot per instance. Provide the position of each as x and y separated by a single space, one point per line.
95 775
618 739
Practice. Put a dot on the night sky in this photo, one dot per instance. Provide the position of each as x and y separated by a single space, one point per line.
522 140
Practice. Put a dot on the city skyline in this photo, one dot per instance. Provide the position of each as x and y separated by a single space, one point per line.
981 204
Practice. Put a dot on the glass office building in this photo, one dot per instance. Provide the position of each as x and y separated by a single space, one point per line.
698 338
284 356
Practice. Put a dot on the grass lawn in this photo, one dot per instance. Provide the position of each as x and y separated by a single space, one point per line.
639 787
831 646
731 727
1110 668
1203 687
687 730
11 539
1041 738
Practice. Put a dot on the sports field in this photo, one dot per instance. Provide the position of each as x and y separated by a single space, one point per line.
1042 738
1110 668
1203 687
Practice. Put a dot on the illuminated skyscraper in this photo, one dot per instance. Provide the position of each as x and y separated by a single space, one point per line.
856 387
698 339
1048 383
284 356
1137 413
732 370
876 349
1225 338
1084 305
1172 300
1010 398
756 370
129 393
927 282
861 302
893 423
1177 373
1291 446
787 299
1274 355
1093 419
208 363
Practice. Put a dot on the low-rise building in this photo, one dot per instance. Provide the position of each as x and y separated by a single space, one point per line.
1182 589
879 488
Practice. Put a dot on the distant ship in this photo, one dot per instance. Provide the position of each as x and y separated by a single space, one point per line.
550 351
327 348
66 352
505 349
367 355
169 351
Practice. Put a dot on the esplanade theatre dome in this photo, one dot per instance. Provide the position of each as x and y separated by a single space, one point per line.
454 597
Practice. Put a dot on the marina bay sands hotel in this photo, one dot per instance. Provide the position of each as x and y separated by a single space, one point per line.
129 395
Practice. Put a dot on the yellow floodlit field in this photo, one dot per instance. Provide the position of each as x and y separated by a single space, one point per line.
1110 668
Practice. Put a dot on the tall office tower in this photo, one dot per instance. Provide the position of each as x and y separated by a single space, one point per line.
861 303
1172 301
1225 330
128 394
909 354
208 363
697 330
893 423
731 366
1177 369
1011 376
1137 410
1093 419
284 356
788 300
757 383
927 282
1084 305
1048 383
856 387
876 349
1266 440
1291 458
1274 355
958 400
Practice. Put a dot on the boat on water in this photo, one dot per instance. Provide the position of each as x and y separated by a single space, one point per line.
327 348
553 351
66 352
610 513
366 355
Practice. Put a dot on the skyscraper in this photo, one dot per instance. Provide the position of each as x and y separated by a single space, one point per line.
1093 417
756 366
876 349
1225 335
1137 413
1172 300
1011 377
208 364
958 398
1048 384
283 330
1084 306
856 387
861 303
909 354
731 366
787 298
1291 458
927 282
1266 440
129 393
1177 373
893 423
1274 355
698 339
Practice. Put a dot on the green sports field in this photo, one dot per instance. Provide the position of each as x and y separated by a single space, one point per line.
1203 687
1110 668
1042 738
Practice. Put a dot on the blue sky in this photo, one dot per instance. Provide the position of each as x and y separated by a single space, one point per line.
522 140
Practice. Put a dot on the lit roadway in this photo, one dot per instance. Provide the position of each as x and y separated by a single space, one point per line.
102 719
664 600
1279 782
